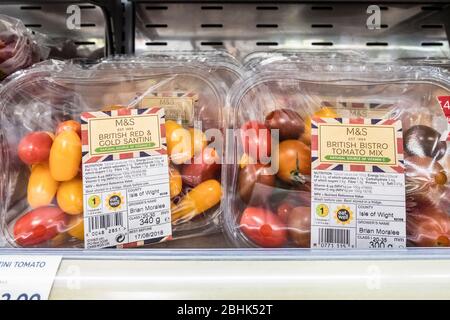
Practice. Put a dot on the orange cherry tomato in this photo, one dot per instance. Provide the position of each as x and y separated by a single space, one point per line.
70 196
76 227
201 198
198 140
175 182
294 161
65 156
41 186
69 125
179 146
324 112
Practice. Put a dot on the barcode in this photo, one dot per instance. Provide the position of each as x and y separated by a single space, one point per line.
340 236
105 221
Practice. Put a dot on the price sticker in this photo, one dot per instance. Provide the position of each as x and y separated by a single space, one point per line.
27 277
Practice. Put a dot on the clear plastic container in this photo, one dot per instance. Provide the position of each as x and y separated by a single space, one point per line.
272 208
50 95
221 63
19 48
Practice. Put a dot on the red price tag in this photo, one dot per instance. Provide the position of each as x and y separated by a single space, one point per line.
444 101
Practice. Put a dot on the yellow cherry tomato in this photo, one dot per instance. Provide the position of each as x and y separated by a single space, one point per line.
175 182
203 197
65 156
76 227
41 186
324 112
198 140
70 196
178 142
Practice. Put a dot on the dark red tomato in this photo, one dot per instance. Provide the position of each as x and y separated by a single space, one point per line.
256 139
263 227
35 147
251 178
204 166
299 224
287 121
40 225
424 141
283 211
428 227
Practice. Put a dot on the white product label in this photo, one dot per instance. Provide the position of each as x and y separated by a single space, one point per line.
125 178
358 184
27 277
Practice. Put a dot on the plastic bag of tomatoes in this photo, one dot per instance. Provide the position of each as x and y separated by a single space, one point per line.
19 48
268 184
41 193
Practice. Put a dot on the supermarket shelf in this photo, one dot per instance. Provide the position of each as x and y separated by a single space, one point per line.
212 279
407 29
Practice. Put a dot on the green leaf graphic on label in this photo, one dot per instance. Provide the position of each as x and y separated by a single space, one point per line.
124 148
358 159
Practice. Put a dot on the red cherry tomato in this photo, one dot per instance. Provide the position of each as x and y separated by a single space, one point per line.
69 125
263 227
256 139
204 166
40 225
35 147
283 211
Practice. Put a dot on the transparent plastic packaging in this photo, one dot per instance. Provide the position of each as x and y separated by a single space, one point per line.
272 208
263 60
46 101
221 63
19 48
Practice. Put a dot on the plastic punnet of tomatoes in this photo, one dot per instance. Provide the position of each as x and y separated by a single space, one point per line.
19 48
272 199
41 187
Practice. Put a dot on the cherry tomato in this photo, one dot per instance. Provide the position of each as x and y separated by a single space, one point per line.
423 174
69 125
35 147
198 140
41 186
201 198
283 210
424 141
263 227
178 140
65 156
428 226
70 196
204 166
294 162
40 225
113 107
175 182
299 224
287 121
76 227
250 180
256 139
324 112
